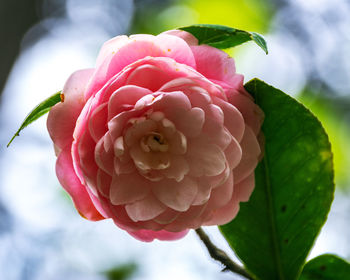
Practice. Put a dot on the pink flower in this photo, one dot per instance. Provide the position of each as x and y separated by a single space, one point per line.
160 136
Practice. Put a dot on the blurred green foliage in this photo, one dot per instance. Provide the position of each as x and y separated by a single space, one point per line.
333 119
121 272
250 15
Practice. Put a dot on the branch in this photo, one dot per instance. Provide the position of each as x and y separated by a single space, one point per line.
221 256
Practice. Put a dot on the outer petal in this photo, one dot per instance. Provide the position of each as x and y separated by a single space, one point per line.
62 117
187 37
250 156
252 114
150 235
139 47
207 56
70 182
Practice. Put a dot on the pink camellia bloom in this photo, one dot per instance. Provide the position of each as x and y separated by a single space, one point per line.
160 136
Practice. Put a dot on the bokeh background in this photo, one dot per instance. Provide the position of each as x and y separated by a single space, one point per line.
43 41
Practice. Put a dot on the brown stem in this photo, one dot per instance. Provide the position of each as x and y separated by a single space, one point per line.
221 256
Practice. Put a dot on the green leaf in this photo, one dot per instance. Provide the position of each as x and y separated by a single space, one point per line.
121 272
326 267
275 230
37 112
223 37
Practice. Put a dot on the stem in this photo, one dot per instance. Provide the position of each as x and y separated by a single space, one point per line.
221 256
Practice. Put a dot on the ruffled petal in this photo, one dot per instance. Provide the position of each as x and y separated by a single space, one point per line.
145 209
207 56
62 116
127 189
187 37
176 195
150 235
250 155
70 182
252 114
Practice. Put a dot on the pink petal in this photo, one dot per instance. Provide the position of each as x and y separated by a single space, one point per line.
187 37
223 215
192 218
250 154
207 56
70 182
178 168
139 47
233 154
252 114
126 188
168 216
117 124
190 123
170 103
244 189
145 209
218 180
149 235
104 181
104 159
150 77
111 47
126 95
86 151
203 193
98 122
233 119
221 195
176 195
205 158
62 117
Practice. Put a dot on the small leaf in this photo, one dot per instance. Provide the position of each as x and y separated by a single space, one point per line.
38 111
275 230
326 267
121 272
223 37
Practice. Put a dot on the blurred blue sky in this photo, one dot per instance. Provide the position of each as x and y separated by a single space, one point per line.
42 236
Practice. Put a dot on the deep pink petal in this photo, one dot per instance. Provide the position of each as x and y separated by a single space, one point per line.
104 159
149 235
98 122
62 117
70 182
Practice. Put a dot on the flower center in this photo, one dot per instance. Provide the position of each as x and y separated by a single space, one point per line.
154 142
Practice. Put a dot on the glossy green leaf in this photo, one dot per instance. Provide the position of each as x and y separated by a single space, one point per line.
223 37
326 267
37 112
275 230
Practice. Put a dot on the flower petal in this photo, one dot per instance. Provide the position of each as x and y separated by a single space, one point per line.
250 155
176 195
207 56
70 182
127 189
62 116
150 235
145 209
